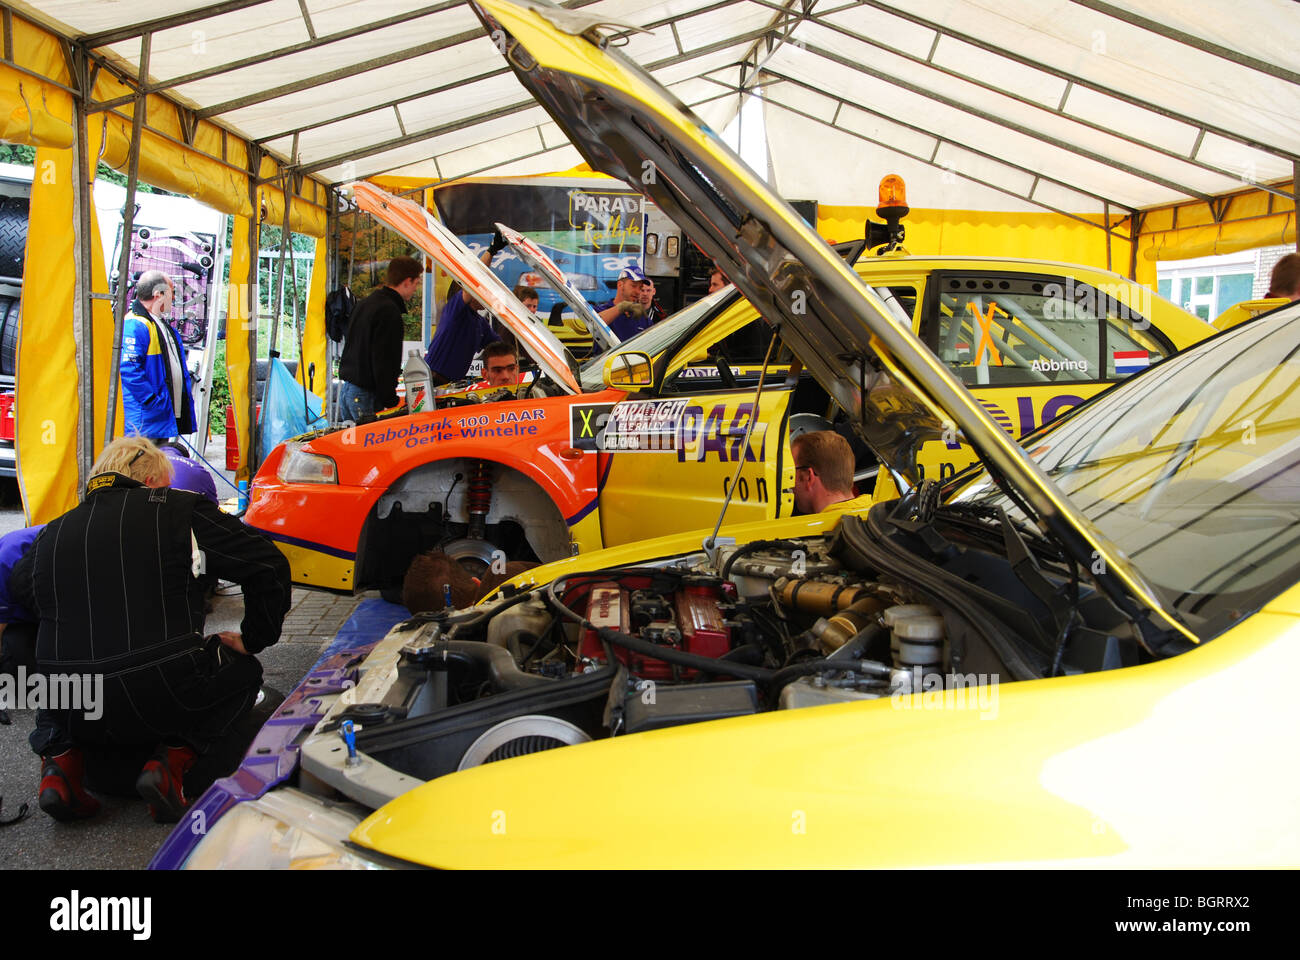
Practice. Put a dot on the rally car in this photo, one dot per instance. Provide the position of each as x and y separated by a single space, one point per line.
1079 654
561 471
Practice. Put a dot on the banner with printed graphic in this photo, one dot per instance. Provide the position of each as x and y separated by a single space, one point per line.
590 228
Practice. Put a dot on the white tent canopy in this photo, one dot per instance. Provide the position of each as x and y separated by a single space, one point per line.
1067 105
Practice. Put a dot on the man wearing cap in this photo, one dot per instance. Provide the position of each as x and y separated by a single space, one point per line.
627 313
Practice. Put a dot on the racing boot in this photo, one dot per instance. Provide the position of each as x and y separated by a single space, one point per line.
160 783
61 794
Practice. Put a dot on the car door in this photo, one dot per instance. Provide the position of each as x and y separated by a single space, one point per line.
1029 346
669 458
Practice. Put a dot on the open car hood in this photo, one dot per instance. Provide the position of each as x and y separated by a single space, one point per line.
419 227
536 257
628 126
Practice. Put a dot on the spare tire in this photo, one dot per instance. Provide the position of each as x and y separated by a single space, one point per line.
10 310
13 235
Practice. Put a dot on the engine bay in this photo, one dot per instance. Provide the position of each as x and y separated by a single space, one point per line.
878 608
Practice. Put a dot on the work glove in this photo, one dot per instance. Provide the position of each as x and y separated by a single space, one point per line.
632 308
498 243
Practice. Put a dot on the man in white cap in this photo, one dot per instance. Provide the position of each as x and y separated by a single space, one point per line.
627 314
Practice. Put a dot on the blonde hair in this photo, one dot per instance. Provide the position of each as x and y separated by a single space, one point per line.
134 457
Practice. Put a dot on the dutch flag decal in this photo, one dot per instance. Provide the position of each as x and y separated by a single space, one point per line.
1130 361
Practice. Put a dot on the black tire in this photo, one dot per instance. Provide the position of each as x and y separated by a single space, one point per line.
10 309
13 235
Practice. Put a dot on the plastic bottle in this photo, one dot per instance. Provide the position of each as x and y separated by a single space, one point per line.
419 383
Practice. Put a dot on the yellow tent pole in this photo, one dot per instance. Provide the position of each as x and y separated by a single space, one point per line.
241 316
47 407
313 337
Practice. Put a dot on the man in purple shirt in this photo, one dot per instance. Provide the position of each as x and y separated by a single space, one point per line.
17 623
462 331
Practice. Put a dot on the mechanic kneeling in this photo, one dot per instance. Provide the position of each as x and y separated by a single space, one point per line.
118 586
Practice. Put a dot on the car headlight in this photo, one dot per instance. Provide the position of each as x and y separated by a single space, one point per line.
299 466
284 830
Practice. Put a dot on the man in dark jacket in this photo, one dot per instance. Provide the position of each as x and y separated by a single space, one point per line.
372 355
117 586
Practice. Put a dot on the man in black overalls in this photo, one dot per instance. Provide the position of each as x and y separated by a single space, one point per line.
118 586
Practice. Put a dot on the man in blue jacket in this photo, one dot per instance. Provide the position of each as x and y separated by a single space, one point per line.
156 390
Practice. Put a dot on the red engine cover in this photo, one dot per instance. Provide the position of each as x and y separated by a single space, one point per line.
703 631
698 619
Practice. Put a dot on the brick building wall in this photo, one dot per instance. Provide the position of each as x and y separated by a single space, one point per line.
1265 257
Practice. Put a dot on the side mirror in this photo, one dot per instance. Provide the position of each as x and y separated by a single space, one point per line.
628 369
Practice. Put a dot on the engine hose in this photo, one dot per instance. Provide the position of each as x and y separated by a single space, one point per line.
514 641
787 675
493 664
682 658
470 617
750 653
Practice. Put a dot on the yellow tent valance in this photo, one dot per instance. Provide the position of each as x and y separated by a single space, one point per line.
1252 218
24 114
983 233
398 184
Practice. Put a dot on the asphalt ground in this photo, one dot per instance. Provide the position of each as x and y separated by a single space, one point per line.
122 835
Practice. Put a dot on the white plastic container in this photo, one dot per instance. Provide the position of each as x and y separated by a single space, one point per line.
418 381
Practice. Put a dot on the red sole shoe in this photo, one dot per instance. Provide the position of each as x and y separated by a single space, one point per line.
59 799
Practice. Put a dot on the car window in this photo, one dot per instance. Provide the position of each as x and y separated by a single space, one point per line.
1017 331
904 296
1192 471
1132 344
742 353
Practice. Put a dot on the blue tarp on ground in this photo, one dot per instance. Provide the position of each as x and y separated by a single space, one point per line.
372 619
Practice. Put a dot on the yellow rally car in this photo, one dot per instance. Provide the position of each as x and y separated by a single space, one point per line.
1079 655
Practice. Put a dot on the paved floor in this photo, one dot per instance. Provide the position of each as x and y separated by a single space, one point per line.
122 836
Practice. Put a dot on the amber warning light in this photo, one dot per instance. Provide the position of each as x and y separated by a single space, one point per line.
892 208
893 193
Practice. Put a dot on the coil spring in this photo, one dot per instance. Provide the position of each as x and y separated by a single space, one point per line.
478 492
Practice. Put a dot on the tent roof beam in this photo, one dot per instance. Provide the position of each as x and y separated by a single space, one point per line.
1048 68
1189 40
1009 125
1059 110
984 183
312 44
508 109
940 140
119 34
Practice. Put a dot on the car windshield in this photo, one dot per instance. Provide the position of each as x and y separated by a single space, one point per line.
656 339
1193 470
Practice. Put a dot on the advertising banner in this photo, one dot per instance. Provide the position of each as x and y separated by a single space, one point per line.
591 228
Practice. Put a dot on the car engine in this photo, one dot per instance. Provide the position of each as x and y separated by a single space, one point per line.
735 630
